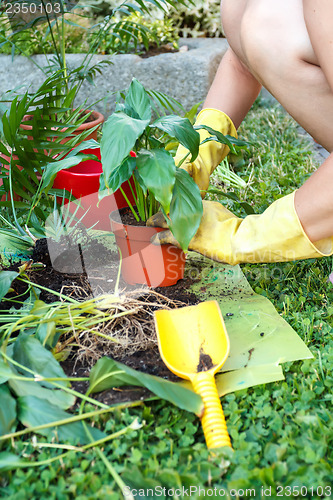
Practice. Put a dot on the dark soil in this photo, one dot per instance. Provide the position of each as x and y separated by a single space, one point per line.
74 282
127 217
205 362
155 51
90 118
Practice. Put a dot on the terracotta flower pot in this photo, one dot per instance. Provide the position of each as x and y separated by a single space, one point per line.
141 261
83 182
96 119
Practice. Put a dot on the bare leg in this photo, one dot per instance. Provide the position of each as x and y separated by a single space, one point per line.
240 89
271 39
277 50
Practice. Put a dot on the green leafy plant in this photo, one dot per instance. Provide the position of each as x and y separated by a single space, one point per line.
138 33
159 183
282 432
203 19
60 21
24 162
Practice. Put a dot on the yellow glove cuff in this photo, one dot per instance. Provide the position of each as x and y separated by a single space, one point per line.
211 153
276 235
217 120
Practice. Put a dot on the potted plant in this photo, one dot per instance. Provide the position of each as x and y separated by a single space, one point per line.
82 181
158 183
27 166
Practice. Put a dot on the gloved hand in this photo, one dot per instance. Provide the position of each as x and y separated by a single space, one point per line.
211 153
276 235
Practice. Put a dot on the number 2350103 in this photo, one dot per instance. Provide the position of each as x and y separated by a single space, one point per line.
32 8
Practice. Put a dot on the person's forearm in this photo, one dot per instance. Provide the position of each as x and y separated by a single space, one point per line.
233 90
314 202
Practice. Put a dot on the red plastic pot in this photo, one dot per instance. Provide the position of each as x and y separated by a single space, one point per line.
141 261
83 182
98 119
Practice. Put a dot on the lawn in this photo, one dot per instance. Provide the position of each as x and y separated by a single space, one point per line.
281 432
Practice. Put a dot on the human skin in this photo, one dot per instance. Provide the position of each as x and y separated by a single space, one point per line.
287 47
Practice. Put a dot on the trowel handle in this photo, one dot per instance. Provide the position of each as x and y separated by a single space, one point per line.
213 421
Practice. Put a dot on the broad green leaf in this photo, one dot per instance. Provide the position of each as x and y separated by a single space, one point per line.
137 99
157 170
32 388
47 334
33 411
182 130
120 133
108 373
249 210
185 209
53 168
6 279
7 411
29 352
10 461
121 174
5 372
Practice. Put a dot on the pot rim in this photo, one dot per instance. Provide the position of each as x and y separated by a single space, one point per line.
99 118
131 231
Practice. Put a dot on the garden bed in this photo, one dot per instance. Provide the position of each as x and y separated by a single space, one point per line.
90 268
80 279
281 431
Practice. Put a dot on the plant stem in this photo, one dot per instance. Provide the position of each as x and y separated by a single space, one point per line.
129 204
73 301
40 378
63 51
69 420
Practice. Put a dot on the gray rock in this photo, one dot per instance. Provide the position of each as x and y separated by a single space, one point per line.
186 75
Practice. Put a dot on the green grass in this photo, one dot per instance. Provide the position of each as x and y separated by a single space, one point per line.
282 433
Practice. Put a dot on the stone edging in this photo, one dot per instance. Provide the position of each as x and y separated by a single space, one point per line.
185 75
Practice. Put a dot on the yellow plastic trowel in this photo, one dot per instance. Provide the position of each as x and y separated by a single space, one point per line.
194 344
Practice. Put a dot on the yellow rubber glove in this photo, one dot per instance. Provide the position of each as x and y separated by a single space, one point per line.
276 235
211 153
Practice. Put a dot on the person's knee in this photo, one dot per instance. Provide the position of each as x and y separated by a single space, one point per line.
267 53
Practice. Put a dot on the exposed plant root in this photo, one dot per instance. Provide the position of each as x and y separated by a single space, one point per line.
130 327
78 292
